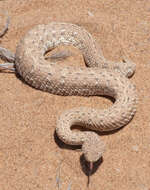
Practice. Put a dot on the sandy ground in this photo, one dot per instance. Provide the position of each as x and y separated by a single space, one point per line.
30 152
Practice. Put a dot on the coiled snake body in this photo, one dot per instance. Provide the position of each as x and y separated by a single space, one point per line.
99 78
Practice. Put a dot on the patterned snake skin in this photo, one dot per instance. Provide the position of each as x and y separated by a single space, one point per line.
101 77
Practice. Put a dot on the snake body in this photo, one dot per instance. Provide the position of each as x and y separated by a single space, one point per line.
101 77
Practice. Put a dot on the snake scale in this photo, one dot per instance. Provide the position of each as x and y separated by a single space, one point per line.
100 77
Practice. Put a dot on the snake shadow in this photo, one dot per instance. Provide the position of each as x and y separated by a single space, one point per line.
85 166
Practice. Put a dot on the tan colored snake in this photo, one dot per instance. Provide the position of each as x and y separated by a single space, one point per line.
101 77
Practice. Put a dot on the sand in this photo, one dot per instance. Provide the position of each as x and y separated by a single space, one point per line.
31 155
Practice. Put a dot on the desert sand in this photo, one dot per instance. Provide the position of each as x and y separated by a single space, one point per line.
31 155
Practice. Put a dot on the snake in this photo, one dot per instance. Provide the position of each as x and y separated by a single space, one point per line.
99 77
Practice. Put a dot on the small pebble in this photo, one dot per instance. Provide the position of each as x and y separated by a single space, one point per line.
135 148
90 14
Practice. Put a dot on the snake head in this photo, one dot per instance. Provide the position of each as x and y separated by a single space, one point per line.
93 147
